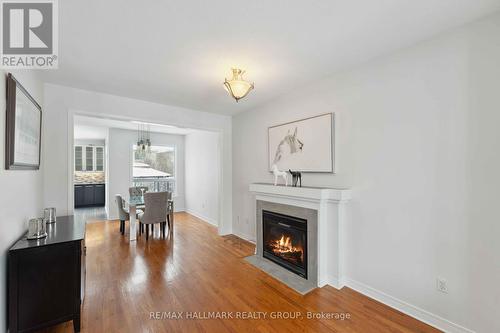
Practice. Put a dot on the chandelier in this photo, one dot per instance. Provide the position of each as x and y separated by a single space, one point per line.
237 87
143 138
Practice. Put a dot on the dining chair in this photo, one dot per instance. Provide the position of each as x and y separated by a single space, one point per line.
135 191
156 204
123 215
170 212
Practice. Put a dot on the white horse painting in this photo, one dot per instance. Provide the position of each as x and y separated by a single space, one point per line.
305 145
290 144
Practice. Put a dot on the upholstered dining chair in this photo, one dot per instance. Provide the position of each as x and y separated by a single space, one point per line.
135 191
156 204
170 212
123 213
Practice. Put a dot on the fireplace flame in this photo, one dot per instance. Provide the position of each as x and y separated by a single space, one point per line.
284 246
284 242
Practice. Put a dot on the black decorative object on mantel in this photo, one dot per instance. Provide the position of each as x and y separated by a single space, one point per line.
296 178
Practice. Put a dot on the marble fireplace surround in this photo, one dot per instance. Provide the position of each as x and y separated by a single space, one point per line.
325 212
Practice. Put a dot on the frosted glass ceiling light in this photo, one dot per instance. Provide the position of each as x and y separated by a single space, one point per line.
237 87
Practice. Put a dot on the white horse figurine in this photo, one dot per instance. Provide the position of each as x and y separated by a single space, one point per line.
277 173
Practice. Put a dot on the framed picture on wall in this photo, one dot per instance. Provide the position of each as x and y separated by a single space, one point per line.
23 128
305 145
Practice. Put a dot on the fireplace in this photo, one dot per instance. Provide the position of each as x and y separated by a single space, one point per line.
285 241
306 218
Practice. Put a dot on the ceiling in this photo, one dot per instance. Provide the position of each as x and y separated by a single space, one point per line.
92 128
178 52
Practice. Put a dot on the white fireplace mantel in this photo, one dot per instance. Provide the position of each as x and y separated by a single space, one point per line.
331 208
302 193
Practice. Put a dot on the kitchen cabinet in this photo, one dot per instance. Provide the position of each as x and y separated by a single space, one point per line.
99 194
99 158
89 158
87 195
78 158
79 195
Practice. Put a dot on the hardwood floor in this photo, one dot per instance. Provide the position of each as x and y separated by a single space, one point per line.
195 270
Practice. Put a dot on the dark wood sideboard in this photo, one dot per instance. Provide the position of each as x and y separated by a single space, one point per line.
46 277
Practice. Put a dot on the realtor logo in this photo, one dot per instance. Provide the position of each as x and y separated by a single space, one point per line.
29 34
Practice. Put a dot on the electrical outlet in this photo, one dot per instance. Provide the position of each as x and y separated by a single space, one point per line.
441 285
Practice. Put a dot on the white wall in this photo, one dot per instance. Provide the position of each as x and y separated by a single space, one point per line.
418 142
91 142
120 165
202 175
21 194
62 103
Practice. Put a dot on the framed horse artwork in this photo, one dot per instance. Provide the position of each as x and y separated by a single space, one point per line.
305 145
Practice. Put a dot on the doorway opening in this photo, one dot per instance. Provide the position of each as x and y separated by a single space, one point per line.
184 161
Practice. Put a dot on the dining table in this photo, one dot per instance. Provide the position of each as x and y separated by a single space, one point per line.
137 202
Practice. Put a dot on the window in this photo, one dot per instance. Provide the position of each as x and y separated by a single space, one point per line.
154 169
89 158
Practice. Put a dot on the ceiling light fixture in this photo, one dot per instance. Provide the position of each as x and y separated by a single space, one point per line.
144 139
237 87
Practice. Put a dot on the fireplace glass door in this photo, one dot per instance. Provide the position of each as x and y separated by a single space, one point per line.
285 241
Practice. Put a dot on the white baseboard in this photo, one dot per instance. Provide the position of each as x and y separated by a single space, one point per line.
244 237
179 209
411 310
332 281
202 217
